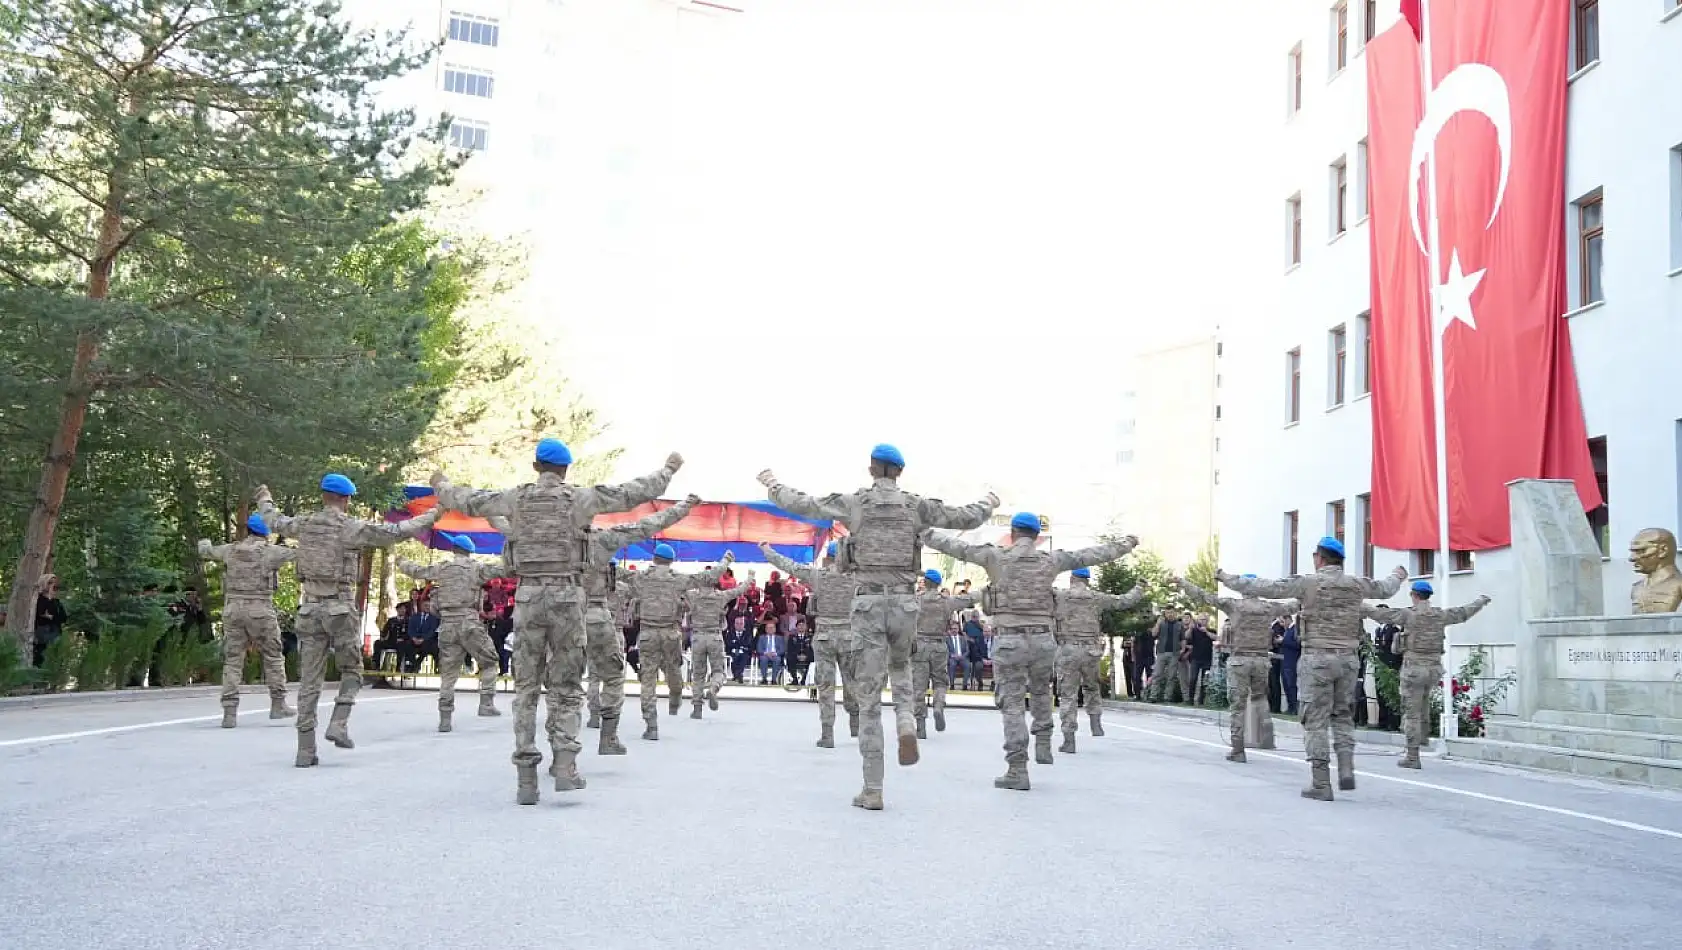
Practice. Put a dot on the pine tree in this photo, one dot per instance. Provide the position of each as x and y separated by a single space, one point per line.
1146 569
193 197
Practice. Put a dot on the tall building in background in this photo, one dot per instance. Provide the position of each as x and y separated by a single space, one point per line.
1166 445
1297 453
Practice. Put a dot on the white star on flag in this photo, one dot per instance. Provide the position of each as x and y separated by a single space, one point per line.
1454 294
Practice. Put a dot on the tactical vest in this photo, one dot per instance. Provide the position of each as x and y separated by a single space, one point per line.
885 538
835 592
246 576
548 544
660 596
1024 585
458 588
706 608
1249 626
934 613
327 567
1077 614
1330 618
1424 633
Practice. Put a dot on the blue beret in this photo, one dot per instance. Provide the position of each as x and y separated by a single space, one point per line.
932 576
887 453
553 452
1331 545
1082 572
257 526
1423 587
338 485
830 551
1025 521
664 552
462 542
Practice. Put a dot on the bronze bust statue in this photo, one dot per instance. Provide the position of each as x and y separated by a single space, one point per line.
1653 554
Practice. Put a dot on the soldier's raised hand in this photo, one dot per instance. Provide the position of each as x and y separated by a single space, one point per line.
674 461
437 480
692 500
763 547
1132 540
767 479
992 499
1400 572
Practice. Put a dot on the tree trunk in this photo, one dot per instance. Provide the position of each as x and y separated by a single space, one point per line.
388 584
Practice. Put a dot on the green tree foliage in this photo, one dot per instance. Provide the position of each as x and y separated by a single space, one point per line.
203 261
1201 571
1142 567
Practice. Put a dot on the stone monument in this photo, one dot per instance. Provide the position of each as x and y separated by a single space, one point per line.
1652 553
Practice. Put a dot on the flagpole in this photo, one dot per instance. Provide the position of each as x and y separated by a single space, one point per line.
1438 389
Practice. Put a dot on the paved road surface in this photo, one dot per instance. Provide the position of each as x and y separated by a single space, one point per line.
736 832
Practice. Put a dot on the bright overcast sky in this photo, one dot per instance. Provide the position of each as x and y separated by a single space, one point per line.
941 223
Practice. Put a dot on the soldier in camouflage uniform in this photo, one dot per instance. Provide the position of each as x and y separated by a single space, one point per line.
1020 601
882 554
248 615
461 581
330 546
1330 627
930 659
1080 645
833 640
1422 638
548 549
658 593
1248 636
708 668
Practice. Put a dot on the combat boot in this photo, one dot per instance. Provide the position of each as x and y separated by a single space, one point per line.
1237 753
675 703
338 728
870 799
1068 746
853 724
526 793
306 750
279 710
1346 771
1016 774
610 744
908 749
487 705
1320 787
1097 721
940 720
444 721
1042 750
652 731
827 739
712 699
1267 744
697 713
1409 759
922 729
595 721
565 770
230 717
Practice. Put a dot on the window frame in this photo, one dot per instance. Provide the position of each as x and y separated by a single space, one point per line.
1295 92
1600 519
1363 322
1369 25
1362 171
1293 526
481 128
1337 518
466 78
1585 33
1340 36
1337 346
1293 392
491 28
1586 238
1424 562
1363 504
1293 211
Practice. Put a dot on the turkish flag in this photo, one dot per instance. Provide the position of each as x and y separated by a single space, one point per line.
1495 118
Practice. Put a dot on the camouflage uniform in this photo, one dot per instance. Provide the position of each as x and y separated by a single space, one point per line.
461 581
881 554
248 619
1330 627
330 545
831 643
708 668
1024 649
549 524
1248 635
930 660
1423 626
1080 645
659 593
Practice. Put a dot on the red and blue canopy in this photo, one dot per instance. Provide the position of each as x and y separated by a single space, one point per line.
710 530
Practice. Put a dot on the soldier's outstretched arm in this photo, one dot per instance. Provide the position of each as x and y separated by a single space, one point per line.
1386 586
1196 593
807 573
213 552
934 513
985 555
1266 587
1384 614
275 555
842 508
1465 612
710 577
419 572
1125 601
270 514
608 499
373 534
1097 554
473 502
647 527
961 601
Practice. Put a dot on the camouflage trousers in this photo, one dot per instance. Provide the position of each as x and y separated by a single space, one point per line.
247 624
662 651
1246 683
605 649
323 626
707 667
1024 660
1166 685
1077 669
458 637
929 669
548 653
827 669
1327 689
888 623
1419 677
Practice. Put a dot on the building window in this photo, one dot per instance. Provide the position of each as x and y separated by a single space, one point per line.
1340 36
1591 240
1295 99
1363 507
1424 562
1334 519
1293 223
1340 196
1586 24
1600 519
478 30
469 134
1462 561
1337 350
1369 25
1361 180
468 82
1293 371
1217 412
1290 543
1363 371
1676 201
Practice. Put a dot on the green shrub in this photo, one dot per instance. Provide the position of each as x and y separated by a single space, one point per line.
58 665
186 659
15 672
133 650
94 666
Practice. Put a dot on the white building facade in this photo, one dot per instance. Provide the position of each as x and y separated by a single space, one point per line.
1166 445
1297 458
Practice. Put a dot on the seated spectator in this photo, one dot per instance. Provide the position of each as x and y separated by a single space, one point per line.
391 640
420 638
738 643
770 650
800 652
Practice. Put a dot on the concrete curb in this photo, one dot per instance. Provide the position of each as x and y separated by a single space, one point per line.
135 695
1283 727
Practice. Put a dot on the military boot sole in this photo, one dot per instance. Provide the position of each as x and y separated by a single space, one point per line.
613 748
869 801
1408 764
908 754
1068 747
231 720
696 714
651 735
570 783
1012 784
283 712
445 726
306 761
340 738
1236 755
1318 794
826 743
489 712
1346 783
